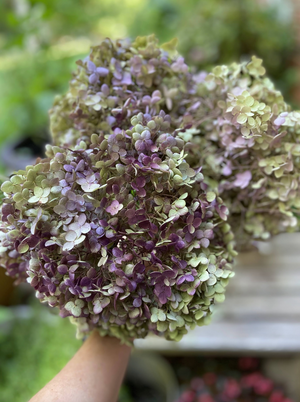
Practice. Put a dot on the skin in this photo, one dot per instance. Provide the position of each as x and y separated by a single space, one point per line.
94 374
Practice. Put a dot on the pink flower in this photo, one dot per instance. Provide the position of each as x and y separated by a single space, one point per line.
114 207
280 119
242 179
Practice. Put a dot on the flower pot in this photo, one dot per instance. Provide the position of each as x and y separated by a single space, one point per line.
150 377
16 154
6 288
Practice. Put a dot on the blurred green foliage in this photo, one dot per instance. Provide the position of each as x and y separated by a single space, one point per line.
32 351
220 32
41 39
223 31
39 44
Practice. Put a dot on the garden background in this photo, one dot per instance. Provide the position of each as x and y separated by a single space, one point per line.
40 40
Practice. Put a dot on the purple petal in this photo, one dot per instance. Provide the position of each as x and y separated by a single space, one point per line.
91 66
137 302
93 78
189 278
180 280
243 179
126 80
279 121
102 71
204 242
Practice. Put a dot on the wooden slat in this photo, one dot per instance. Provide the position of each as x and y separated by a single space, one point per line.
250 281
261 306
244 337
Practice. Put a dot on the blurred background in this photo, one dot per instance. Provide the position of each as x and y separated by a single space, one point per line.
40 40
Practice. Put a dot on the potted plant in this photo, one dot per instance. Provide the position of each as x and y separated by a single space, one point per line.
242 382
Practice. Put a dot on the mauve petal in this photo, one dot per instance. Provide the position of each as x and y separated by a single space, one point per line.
93 78
279 121
126 80
141 192
189 278
71 205
137 302
62 269
102 71
162 298
149 245
33 241
139 268
100 231
64 313
117 252
91 66
69 168
180 280
204 242
85 281
188 237
132 286
243 179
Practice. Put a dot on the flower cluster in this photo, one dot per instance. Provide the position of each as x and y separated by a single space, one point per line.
116 81
236 125
248 146
119 232
233 388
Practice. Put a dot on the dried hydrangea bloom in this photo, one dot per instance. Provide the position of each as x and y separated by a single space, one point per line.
246 139
236 124
120 233
117 80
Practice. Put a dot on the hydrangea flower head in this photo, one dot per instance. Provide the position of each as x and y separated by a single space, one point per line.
236 125
120 233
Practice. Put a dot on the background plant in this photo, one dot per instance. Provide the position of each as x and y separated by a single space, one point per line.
230 380
216 32
46 37
24 370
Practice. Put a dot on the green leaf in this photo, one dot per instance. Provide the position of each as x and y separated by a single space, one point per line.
18 197
7 187
38 191
204 277
23 247
180 321
210 196
219 297
33 199
199 314
161 315
242 118
179 204
154 317
16 179
162 326
170 46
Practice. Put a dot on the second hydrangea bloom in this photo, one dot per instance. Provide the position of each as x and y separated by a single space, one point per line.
235 124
